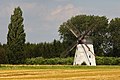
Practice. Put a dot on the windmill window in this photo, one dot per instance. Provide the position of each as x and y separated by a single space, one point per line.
90 63
89 56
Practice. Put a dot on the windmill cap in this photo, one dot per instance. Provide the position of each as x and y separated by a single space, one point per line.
87 41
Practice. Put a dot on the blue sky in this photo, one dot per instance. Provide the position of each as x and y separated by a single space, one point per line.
42 18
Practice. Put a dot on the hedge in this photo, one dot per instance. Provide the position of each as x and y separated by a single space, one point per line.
69 61
107 61
53 61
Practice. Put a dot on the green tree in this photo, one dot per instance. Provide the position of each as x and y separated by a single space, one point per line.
114 30
16 38
3 59
83 23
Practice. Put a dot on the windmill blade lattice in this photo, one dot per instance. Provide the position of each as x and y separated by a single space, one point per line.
76 33
88 31
73 29
66 52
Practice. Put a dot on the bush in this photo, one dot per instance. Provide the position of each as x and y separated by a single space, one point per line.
51 61
107 61
69 61
99 61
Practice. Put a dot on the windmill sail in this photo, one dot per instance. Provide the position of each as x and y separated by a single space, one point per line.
73 29
86 33
66 52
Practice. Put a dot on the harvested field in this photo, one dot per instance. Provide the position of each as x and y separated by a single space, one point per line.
60 73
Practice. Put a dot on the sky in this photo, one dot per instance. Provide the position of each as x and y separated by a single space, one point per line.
42 18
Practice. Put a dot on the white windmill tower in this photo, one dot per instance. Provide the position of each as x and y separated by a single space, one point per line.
84 47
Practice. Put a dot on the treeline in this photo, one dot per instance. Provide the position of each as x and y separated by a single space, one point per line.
45 50
48 53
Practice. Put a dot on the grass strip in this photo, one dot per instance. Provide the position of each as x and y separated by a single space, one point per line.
14 67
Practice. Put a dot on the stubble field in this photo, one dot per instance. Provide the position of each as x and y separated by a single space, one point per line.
58 72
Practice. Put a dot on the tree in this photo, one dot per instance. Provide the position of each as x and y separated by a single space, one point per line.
3 59
114 30
83 23
16 38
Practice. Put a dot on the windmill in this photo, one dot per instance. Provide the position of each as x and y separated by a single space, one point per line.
84 47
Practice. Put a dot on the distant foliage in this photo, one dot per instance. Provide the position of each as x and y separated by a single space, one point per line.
45 50
3 58
50 61
108 61
114 38
69 61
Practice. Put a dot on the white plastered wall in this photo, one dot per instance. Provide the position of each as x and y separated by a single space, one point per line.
82 54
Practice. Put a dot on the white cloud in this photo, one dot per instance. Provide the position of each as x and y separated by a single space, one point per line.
63 12
7 8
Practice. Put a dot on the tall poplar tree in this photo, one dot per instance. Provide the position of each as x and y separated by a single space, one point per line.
16 38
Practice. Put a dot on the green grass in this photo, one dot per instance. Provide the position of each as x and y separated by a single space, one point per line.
13 67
